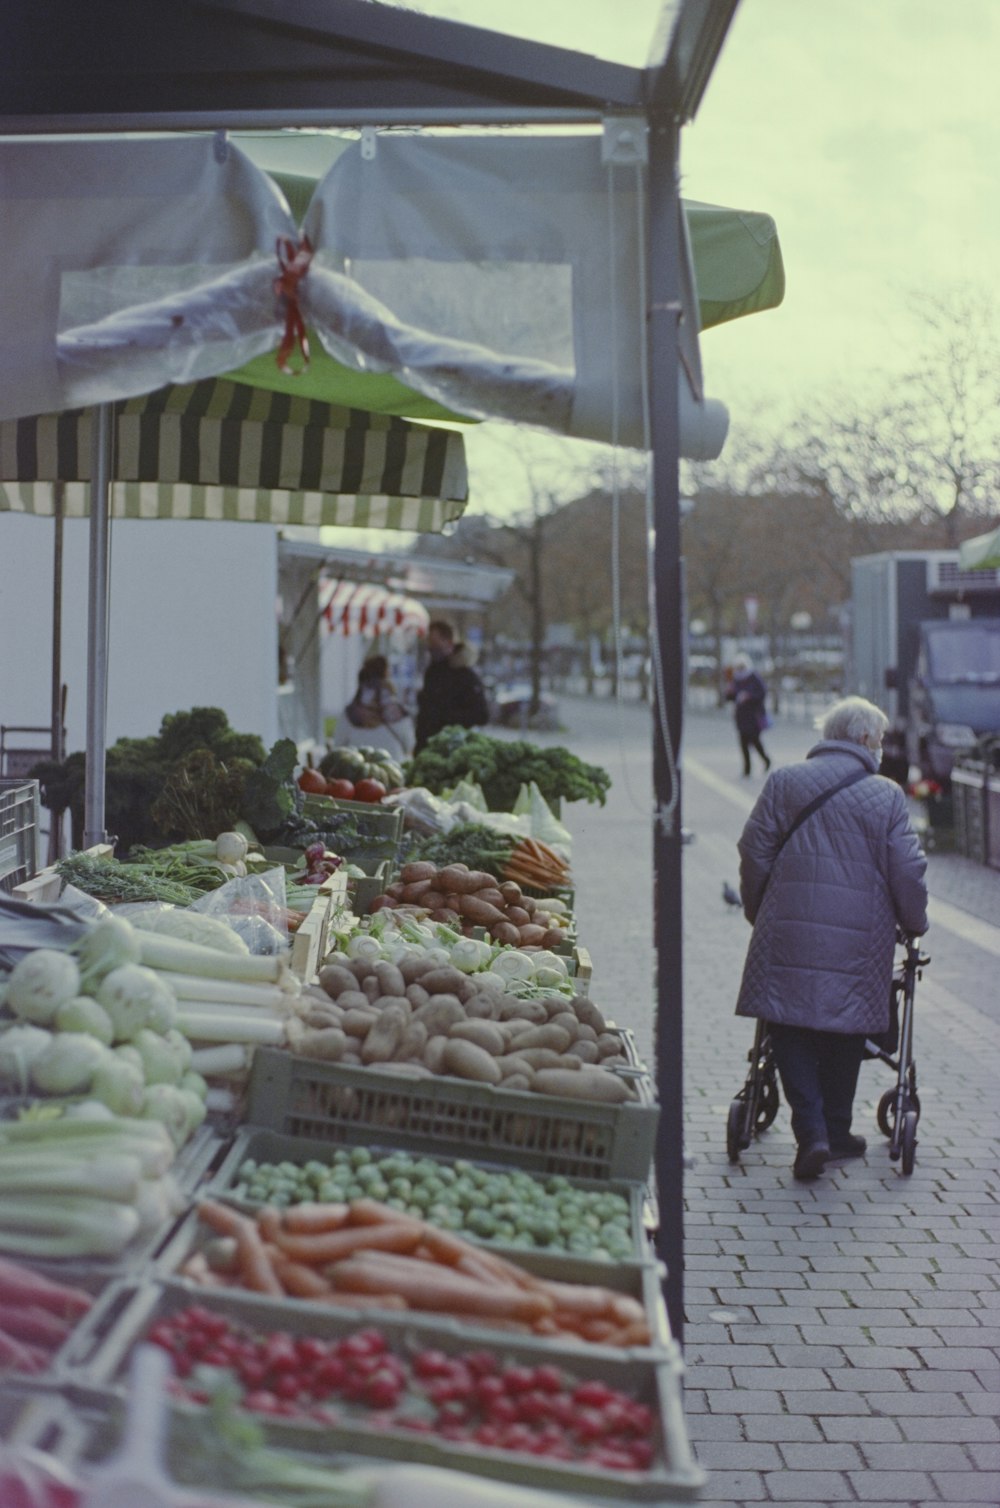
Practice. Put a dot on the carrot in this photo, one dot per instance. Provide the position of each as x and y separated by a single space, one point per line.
308 1219
445 1292
635 1334
597 1331
19 1285
221 1218
348 1300
447 1248
627 1311
269 1222
583 1303
333 1245
299 1281
370 1212
255 1268
480 1271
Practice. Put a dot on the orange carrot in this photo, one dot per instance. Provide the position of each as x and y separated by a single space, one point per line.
255 1269
221 1218
598 1331
348 1300
584 1303
308 1219
333 1245
444 1292
299 1281
371 1212
480 1271
269 1222
636 1334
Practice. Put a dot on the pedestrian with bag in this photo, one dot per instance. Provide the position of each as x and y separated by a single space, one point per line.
748 691
375 716
829 867
452 693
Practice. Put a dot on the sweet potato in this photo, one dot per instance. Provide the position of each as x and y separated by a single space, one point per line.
517 916
505 932
457 879
554 937
492 896
444 980
467 1061
414 893
446 916
480 912
432 899
531 936
417 870
511 892
485 1034
395 890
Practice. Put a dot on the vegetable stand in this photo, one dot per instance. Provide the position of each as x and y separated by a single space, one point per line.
449 1248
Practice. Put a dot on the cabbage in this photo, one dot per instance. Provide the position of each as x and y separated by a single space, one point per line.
82 1014
68 1064
40 983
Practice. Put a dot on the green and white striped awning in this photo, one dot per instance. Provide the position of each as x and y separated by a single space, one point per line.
222 450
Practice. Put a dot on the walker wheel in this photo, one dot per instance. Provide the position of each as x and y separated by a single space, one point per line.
886 1113
909 1141
770 1102
735 1139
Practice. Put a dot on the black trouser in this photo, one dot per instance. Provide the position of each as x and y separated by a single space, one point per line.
819 1074
750 741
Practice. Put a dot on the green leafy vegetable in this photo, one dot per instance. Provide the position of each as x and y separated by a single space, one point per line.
501 766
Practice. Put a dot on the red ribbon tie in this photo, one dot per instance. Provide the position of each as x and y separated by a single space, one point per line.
294 262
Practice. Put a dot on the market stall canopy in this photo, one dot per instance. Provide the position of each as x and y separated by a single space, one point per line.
353 607
980 553
128 262
218 450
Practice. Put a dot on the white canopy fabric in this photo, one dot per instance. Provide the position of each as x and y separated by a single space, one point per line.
501 275
351 607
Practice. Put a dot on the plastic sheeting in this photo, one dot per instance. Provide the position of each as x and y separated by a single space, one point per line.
499 274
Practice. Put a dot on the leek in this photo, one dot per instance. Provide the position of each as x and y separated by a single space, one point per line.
161 952
215 1024
66 1227
115 1176
148 1141
229 992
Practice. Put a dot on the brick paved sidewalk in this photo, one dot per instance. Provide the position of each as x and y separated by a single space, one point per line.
843 1337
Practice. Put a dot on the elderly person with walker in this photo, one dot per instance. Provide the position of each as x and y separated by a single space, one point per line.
829 867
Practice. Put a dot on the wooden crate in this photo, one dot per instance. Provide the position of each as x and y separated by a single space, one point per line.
45 887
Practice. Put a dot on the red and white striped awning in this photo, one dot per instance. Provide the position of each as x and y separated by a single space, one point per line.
355 607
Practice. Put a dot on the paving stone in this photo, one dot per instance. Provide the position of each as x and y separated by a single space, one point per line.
877 1487
950 1429
940 1380
799 1486
985 1455
740 1456
712 1427
736 1401
881 1356
813 1378
723 1354
868 1379
961 1487
819 1404
983 1403
781 1427
824 1457
732 1487
860 1427
913 1455
903 1402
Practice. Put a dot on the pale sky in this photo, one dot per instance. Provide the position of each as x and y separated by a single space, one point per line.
868 129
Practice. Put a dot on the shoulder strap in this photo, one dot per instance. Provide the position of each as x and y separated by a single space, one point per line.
820 800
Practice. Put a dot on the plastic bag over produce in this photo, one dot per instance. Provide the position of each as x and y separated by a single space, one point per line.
254 906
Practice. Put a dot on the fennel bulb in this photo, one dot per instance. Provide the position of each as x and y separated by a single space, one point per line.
40 983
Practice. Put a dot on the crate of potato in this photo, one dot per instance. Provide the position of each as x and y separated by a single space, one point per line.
468 898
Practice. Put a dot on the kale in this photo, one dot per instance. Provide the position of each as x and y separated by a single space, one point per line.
271 796
501 766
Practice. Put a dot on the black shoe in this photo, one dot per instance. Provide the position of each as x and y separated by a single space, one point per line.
811 1159
850 1146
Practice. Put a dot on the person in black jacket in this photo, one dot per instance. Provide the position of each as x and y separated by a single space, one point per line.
452 691
748 691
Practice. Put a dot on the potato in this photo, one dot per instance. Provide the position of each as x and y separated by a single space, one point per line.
371 987
586 1051
521 1081
485 1034
319 1016
434 1053
480 912
361 968
335 980
353 1000
439 1012
531 936
350 1059
518 916
525 1010
505 932
555 1037
414 966
384 1037
417 996
390 978
443 980
512 1062
467 1061
412 1042
585 1033
514 1027
586 1011
583 1084
328 1044
558 1005
358 1023
406 1070
569 1023
384 1001
609 1046
538 1057
480 1007
417 870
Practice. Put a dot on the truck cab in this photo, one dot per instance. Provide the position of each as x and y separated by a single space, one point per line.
954 695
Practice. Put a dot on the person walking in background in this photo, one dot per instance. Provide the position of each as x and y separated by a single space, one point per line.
452 691
748 692
829 867
375 715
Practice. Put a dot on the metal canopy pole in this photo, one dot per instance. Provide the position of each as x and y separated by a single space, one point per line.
97 624
664 313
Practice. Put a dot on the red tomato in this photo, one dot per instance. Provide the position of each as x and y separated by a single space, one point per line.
369 790
342 789
312 782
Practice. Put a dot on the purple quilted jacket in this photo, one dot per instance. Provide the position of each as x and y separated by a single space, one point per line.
824 911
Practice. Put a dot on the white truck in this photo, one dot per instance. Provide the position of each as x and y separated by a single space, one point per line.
924 644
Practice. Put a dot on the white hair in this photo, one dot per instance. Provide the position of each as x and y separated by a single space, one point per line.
852 720
742 662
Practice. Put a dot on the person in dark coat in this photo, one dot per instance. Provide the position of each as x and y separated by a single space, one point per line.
748 692
452 692
824 907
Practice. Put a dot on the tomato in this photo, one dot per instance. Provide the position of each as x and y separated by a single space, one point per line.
369 790
312 782
341 788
